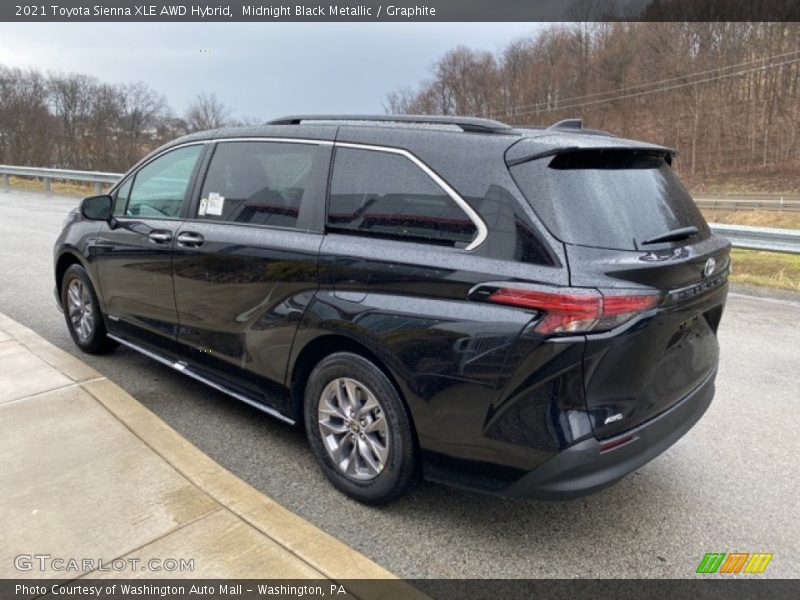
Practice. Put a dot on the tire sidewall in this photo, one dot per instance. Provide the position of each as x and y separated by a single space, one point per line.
398 474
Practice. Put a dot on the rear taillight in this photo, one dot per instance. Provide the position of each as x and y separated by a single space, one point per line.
576 311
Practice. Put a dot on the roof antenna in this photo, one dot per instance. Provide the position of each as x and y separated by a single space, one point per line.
568 124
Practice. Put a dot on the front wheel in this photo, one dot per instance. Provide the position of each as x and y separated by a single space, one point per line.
82 312
359 430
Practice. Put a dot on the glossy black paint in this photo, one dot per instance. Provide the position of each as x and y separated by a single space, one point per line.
97 208
254 308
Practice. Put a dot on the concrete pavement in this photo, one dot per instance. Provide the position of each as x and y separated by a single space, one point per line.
89 473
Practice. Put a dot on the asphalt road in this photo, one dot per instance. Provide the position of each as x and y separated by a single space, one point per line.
730 485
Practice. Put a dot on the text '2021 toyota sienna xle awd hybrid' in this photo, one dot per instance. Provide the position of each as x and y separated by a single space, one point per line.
530 312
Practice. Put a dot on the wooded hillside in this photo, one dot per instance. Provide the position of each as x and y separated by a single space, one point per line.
725 94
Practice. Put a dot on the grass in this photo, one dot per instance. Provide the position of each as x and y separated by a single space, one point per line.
68 188
754 267
766 269
754 180
756 218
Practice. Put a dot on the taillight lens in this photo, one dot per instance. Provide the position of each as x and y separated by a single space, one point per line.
576 311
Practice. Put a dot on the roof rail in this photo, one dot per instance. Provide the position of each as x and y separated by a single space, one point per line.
568 124
468 124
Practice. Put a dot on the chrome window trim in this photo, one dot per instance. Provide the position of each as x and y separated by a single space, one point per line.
213 141
139 167
454 195
481 227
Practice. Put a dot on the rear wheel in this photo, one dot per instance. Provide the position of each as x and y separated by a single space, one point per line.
359 429
82 312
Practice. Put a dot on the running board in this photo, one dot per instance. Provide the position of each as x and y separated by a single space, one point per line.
182 367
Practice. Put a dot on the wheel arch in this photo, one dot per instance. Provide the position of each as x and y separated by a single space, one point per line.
64 262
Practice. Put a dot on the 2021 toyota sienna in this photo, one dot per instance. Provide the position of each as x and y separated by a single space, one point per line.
530 312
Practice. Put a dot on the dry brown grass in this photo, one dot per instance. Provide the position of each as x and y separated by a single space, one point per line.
756 218
766 269
67 188
757 180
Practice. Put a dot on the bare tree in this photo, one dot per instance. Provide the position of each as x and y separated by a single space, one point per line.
25 118
71 98
726 94
206 112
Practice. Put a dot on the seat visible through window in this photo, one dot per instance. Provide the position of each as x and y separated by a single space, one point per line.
257 182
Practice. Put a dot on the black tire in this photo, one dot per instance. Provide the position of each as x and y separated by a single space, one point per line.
96 342
400 470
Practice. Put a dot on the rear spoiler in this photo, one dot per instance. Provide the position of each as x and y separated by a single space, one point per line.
667 153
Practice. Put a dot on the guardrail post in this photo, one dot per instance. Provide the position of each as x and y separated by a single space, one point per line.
46 181
98 188
6 182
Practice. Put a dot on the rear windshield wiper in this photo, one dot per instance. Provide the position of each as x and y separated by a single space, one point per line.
670 236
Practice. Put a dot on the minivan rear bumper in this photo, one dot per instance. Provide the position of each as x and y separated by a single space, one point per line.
586 468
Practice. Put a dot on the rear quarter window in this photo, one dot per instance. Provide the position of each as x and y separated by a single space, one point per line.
382 194
608 199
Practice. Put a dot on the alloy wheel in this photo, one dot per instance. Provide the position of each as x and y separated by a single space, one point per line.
353 427
80 309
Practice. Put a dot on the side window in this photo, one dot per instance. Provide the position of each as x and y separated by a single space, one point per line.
160 186
261 183
382 194
121 197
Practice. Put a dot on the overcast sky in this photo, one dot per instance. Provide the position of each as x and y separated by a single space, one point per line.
260 70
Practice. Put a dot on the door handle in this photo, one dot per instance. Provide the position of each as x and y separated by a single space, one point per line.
160 236
190 238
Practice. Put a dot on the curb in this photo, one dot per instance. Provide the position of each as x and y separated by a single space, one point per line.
322 552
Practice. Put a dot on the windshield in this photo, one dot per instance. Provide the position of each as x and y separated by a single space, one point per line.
609 199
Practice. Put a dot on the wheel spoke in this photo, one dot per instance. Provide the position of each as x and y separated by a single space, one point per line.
333 427
380 450
337 452
369 405
378 424
352 395
74 295
341 398
351 466
366 453
332 411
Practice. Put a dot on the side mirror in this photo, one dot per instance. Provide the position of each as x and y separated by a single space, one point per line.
97 208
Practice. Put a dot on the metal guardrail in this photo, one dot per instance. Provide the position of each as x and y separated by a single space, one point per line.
741 236
47 175
760 238
750 202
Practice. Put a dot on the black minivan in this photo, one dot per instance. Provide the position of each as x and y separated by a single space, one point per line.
530 312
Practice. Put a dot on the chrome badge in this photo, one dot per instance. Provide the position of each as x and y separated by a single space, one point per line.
711 264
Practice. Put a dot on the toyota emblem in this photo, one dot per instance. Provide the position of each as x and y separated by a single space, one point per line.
711 264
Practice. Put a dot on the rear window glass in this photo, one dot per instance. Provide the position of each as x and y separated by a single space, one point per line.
609 199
